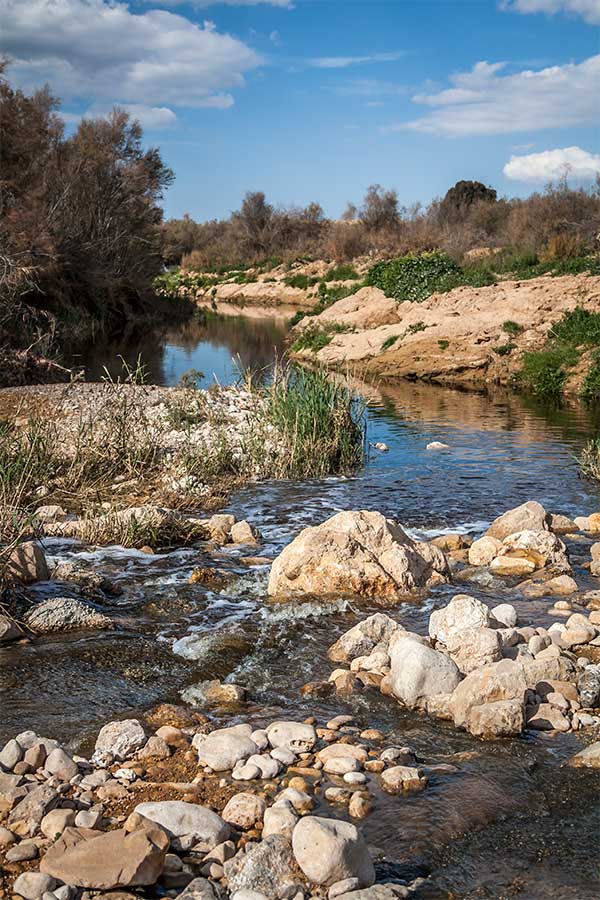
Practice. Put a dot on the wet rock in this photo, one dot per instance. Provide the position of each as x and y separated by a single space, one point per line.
342 750
247 772
244 533
546 717
27 563
483 551
403 778
503 680
295 736
362 638
244 810
92 859
505 615
180 819
120 739
588 758
588 685
223 748
542 548
530 516
33 885
418 672
328 850
502 718
356 553
341 765
215 691
378 892
451 542
462 612
9 630
65 614
511 565
437 445
560 524
473 648
267 765
267 867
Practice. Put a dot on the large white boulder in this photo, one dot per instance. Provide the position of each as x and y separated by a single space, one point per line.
530 516
473 648
299 737
490 685
419 672
361 639
180 819
224 747
356 553
120 740
329 850
462 612
542 548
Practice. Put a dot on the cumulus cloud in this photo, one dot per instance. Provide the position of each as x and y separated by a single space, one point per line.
551 165
343 62
487 101
102 52
589 10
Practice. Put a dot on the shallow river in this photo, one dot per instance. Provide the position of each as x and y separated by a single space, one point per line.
511 821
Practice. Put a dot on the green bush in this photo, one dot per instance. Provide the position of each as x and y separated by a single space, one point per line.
343 272
315 338
417 276
512 328
577 328
443 344
390 341
504 349
544 372
301 281
590 389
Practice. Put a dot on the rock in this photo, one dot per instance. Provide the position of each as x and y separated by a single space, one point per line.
295 736
22 852
362 638
356 553
244 810
10 755
33 885
178 819
503 680
120 739
342 887
403 778
483 551
55 822
473 648
244 533
437 445
267 765
562 585
214 691
462 612
9 630
29 812
450 542
588 758
530 516
247 772
224 747
267 868
342 750
328 850
341 765
201 889
52 513
378 892
588 685
505 615
300 800
546 717
542 548
101 861
59 763
65 614
27 564
280 819
501 718
561 524
510 565
418 672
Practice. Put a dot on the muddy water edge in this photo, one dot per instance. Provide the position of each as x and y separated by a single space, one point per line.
511 821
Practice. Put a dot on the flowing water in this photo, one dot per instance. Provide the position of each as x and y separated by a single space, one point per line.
510 821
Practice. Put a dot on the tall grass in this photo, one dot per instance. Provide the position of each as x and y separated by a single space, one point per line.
321 422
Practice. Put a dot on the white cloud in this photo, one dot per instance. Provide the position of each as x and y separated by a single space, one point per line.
151 117
102 52
589 10
486 101
551 165
343 62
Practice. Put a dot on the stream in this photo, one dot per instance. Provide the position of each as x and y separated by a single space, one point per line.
511 821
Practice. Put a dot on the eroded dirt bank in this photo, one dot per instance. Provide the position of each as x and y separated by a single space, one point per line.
465 337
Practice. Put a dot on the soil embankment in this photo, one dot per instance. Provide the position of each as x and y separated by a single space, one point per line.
468 336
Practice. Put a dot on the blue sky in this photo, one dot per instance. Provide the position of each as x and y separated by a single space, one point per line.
316 99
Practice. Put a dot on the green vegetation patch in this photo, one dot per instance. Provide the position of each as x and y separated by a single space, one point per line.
301 281
390 341
314 337
417 276
544 372
343 272
512 328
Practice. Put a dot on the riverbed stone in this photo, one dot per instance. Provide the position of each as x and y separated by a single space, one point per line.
588 758
280 819
483 551
530 516
27 564
9 630
267 867
26 816
361 639
359 553
542 548
244 810
502 680
512 566
102 861
501 718
55 822
545 717
398 779
588 685
65 614
462 612
473 648
59 763
224 747
120 739
10 755
418 672
244 533
504 615
298 737
329 850
33 885
181 819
